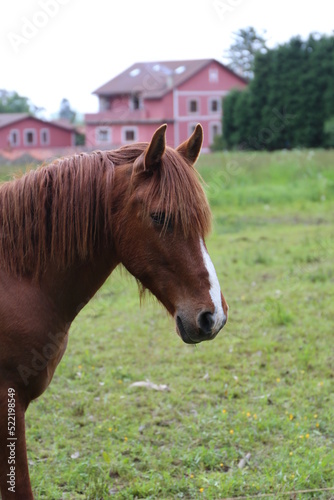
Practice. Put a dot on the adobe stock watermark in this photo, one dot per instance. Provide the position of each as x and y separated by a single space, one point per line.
151 81
223 7
54 346
279 121
319 256
40 359
31 26
233 167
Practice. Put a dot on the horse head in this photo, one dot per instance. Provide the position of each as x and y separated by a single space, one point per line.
164 219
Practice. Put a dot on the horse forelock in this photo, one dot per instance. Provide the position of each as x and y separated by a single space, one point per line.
175 188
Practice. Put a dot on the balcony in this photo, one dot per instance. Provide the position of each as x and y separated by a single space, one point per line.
118 115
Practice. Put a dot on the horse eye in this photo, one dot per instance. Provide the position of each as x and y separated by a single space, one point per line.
159 219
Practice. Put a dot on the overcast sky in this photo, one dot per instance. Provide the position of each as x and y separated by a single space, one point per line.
52 49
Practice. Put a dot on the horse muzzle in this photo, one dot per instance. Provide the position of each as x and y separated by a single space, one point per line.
206 326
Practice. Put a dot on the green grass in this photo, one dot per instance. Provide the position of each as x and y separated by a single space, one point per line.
264 386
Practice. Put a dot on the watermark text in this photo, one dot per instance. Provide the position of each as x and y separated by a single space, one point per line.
11 441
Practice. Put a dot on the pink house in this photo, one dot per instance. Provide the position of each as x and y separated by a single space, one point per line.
179 93
23 132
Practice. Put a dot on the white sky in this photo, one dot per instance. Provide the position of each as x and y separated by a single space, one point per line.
79 45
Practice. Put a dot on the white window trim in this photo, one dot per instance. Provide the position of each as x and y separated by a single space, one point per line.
123 134
214 93
97 132
200 118
47 131
17 132
26 131
211 125
210 100
198 106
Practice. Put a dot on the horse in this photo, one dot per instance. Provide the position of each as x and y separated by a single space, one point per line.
64 227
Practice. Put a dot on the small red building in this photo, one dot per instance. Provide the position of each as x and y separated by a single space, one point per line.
179 93
23 132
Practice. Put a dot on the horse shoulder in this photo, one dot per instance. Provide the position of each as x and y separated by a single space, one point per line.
33 338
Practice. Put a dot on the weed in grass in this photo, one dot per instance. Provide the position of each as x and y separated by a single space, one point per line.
278 313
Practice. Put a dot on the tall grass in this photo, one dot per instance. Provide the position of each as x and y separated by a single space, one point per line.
274 179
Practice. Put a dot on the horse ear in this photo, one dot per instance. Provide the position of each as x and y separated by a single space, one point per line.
191 148
156 148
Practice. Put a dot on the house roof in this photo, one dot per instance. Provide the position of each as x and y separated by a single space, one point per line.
154 79
9 118
63 123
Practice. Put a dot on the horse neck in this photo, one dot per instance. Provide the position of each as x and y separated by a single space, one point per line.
71 289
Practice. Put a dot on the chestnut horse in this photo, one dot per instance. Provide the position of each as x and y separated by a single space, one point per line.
63 229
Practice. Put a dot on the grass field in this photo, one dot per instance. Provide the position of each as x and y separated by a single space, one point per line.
251 412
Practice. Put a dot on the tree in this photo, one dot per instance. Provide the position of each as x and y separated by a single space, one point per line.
329 132
241 55
65 111
289 102
230 130
12 102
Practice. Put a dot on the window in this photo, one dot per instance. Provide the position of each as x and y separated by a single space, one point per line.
29 137
103 135
14 137
104 103
191 128
45 136
215 129
129 134
214 105
193 106
213 75
135 102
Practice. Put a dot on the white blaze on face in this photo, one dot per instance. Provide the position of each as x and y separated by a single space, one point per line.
215 287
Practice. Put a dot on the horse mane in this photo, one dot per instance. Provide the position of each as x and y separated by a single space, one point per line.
60 212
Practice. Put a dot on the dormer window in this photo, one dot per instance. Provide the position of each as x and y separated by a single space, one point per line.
213 75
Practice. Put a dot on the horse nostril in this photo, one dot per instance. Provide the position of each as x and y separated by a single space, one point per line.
205 322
